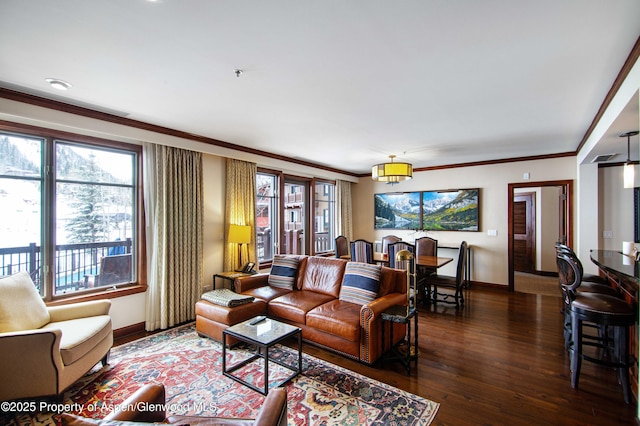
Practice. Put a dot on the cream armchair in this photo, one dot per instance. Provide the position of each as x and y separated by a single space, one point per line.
44 350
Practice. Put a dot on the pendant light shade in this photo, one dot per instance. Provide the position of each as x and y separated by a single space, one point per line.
629 167
391 172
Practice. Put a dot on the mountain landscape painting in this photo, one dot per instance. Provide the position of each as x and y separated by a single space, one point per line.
455 210
397 210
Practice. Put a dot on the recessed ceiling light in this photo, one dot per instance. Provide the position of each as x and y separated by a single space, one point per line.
56 83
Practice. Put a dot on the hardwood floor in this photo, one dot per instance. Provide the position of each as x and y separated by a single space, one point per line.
500 361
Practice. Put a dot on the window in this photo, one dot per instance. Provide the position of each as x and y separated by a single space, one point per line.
69 213
266 216
324 205
293 209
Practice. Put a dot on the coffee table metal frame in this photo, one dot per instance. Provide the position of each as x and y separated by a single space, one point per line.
263 341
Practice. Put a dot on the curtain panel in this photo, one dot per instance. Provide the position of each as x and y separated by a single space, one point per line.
173 191
344 209
240 209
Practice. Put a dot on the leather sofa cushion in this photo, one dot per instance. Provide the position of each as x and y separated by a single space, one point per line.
338 318
392 281
295 305
324 275
266 293
79 336
21 307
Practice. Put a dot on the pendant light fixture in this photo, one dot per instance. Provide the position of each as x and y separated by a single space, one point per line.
629 172
391 172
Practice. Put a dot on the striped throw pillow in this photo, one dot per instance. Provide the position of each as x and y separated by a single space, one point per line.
283 271
361 283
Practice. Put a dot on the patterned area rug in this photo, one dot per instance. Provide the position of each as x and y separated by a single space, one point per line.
190 368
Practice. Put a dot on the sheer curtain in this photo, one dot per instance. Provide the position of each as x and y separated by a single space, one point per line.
240 209
344 210
173 208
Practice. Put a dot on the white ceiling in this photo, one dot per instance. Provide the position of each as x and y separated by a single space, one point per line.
335 82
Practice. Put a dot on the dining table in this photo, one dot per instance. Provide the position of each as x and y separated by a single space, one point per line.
427 261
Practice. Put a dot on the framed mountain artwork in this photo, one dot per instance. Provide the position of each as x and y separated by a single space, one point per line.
451 210
398 210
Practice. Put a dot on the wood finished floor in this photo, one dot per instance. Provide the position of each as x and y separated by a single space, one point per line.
500 361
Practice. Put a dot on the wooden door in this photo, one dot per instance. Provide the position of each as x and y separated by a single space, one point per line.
524 232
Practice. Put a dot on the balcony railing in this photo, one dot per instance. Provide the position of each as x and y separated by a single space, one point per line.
321 244
73 262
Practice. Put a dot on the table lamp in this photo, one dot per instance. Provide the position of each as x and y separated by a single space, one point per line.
239 234
406 256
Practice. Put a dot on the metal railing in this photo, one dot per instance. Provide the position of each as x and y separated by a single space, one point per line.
72 261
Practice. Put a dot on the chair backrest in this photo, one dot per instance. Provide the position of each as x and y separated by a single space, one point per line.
568 251
389 239
362 251
462 263
426 246
115 270
342 246
394 248
569 273
405 265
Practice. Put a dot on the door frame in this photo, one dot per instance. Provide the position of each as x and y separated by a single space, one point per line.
568 184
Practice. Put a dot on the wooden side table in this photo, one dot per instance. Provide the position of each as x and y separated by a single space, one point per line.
229 276
404 351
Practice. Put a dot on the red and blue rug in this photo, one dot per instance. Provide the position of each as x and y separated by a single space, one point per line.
191 369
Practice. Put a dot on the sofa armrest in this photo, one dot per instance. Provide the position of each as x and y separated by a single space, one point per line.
30 363
79 310
372 310
151 396
250 282
274 409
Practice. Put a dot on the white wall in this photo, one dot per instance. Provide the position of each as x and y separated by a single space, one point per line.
490 254
548 227
617 209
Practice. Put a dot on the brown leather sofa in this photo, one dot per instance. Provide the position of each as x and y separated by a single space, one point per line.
350 329
147 405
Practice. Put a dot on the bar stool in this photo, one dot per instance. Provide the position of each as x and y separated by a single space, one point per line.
588 279
567 278
607 312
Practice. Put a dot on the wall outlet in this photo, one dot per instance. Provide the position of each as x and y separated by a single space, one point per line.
492 232
607 235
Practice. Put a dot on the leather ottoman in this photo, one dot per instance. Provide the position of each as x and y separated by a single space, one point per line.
212 319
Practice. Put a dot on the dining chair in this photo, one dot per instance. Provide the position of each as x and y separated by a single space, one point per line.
455 282
362 251
426 246
342 247
389 239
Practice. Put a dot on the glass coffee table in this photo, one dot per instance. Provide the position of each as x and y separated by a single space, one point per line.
263 335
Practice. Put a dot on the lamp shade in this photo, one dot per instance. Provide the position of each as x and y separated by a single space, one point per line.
239 234
629 172
629 175
391 172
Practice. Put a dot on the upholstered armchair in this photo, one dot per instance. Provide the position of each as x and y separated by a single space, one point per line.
148 405
44 350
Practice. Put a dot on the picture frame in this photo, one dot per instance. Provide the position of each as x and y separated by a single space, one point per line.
397 210
451 210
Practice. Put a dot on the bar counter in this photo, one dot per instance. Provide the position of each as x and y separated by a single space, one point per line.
621 269
622 272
